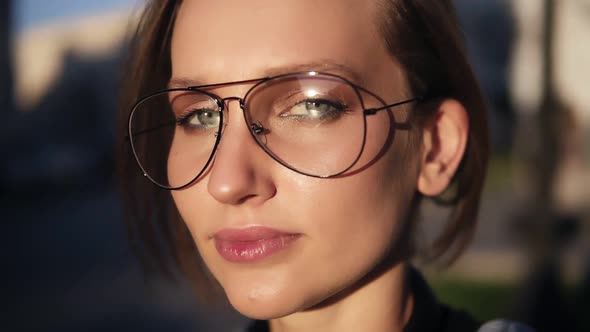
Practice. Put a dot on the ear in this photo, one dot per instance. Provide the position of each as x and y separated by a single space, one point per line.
444 140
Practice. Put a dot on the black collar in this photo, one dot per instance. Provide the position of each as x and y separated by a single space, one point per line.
428 315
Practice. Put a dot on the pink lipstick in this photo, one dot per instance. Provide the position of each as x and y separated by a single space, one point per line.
251 244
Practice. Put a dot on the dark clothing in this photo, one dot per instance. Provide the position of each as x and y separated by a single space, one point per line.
428 315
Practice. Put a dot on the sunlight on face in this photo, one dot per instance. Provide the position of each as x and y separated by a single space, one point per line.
306 238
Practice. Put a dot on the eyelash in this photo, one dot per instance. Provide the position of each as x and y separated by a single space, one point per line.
339 104
182 119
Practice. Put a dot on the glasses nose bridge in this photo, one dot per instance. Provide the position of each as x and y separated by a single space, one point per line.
255 128
225 101
225 108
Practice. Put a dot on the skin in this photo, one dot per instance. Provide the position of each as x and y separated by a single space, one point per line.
333 278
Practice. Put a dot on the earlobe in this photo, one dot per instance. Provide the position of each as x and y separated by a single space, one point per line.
444 141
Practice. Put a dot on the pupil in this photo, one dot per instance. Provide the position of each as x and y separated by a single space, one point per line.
312 105
207 117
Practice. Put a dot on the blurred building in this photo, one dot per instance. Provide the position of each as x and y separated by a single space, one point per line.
571 69
40 54
549 85
66 77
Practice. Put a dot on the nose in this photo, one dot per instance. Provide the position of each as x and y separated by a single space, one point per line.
241 169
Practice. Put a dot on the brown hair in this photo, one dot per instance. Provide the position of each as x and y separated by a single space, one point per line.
423 35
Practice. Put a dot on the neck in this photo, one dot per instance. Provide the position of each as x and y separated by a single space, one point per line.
381 303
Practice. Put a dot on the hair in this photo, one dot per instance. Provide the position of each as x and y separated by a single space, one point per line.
422 35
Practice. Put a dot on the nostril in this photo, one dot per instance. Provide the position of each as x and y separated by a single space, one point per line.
246 198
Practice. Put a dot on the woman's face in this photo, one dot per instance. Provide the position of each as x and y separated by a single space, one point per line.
278 241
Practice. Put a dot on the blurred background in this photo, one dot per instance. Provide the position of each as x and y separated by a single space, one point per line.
69 265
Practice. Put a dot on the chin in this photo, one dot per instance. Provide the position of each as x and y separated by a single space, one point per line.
258 305
262 312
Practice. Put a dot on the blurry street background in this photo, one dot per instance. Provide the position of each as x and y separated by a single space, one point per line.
69 265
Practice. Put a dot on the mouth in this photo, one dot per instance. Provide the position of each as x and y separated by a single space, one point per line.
252 244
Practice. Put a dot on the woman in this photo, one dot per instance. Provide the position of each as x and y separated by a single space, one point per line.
285 147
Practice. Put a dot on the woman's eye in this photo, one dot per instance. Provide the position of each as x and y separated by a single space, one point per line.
315 109
200 119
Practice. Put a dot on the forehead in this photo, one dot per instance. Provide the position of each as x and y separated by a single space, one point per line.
226 40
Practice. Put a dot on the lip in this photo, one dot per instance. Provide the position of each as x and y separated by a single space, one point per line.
252 244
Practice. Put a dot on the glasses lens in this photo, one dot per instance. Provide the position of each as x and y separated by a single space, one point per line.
174 134
312 123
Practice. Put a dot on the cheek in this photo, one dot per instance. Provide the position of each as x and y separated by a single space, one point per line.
188 157
194 209
351 225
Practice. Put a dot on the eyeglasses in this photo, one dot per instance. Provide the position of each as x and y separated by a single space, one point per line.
311 122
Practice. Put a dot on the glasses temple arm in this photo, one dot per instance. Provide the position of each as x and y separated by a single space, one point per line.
145 131
372 111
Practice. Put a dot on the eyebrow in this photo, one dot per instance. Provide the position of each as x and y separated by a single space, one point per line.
329 66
